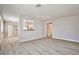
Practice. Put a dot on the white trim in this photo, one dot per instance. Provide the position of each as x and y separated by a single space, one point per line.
31 39
66 39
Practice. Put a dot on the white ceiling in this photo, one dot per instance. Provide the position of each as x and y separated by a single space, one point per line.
46 12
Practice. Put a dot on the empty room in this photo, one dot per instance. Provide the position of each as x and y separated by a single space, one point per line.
39 29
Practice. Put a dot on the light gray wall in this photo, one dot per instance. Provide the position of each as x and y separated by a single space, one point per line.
67 28
1 24
29 35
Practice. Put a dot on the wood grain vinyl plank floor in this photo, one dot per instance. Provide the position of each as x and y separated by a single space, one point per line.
41 46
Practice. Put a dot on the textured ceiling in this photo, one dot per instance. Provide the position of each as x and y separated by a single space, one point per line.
45 12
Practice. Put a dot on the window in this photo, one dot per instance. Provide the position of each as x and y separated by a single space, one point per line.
28 25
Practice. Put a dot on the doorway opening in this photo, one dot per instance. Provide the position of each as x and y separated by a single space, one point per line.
49 30
11 31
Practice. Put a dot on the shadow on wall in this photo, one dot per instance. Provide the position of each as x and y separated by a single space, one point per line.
67 28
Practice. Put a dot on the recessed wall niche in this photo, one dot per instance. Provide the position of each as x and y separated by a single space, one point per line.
28 25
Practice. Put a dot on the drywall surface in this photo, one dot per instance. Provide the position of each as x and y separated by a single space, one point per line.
67 28
29 35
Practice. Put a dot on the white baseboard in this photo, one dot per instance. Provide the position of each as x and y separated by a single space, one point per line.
66 39
31 39
53 37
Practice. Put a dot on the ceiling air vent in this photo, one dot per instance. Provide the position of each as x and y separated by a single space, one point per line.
38 5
